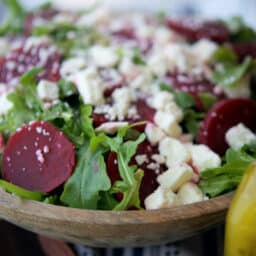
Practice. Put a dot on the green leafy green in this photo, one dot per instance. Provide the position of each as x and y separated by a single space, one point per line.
192 120
225 55
137 58
89 178
207 99
66 89
229 75
223 179
13 23
240 32
21 192
184 100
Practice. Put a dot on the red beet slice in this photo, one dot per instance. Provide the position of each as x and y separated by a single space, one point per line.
195 30
38 157
37 18
193 85
149 182
221 117
244 50
21 60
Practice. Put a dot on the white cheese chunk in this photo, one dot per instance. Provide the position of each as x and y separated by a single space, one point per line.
204 49
47 90
5 104
89 85
154 134
155 200
122 99
190 193
158 64
203 157
167 121
174 151
103 56
4 46
175 177
111 127
161 198
71 66
160 100
239 135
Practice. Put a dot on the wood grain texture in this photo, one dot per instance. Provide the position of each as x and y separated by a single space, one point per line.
106 228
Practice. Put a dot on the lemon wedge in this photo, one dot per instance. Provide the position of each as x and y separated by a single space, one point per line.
240 236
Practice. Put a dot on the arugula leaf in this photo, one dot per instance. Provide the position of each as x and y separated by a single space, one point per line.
184 100
89 178
137 59
107 201
66 89
223 179
225 55
207 99
240 31
192 121
229 75
21 192
13 23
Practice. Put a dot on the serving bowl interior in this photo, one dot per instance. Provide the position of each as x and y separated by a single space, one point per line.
110 228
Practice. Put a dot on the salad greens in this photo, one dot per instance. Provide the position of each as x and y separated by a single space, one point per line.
219 180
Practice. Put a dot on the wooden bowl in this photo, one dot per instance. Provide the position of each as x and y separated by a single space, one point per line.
106 228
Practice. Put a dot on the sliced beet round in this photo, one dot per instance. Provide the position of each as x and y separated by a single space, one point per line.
38 157
244 50
36 18
21 60
193 85
221 117
150 167
195 29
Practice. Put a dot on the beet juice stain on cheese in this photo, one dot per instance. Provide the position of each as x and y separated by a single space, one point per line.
124 111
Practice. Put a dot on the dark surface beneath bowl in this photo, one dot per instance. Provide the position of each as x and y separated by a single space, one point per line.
15 241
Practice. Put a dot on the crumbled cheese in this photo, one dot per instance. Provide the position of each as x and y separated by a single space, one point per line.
5 104
128 68
122 99
154 134
155 200
163 36
71 66
168 123
35 41
160 100
239 135
158 64
111 127
89 85
203 157
160 198
141 159
47 90
175 177
190 193
103 56
174 151
203 50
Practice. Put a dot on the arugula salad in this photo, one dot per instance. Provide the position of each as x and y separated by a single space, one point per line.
111 111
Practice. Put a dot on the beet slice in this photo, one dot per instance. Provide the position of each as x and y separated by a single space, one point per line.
193 85
149 182
244 50
222 116
20 60
195 29
41 16
38 157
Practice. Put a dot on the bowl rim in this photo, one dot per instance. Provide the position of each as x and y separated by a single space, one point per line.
9 202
